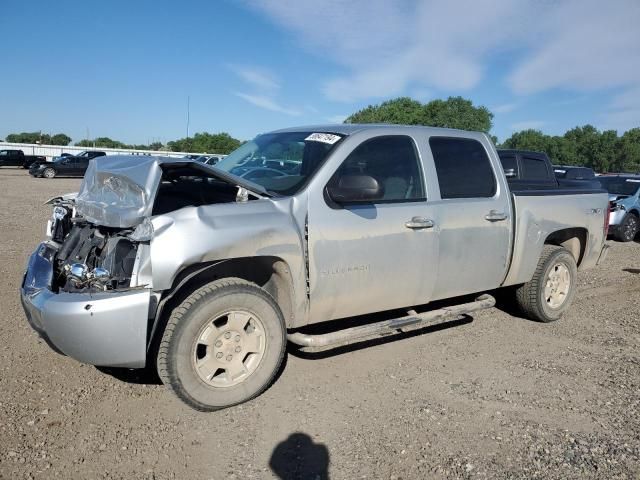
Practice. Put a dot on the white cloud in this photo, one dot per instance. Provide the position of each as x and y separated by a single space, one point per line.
504 108
582 46
624 112
389 48
528 124
257 77
386 47
267 103
266 84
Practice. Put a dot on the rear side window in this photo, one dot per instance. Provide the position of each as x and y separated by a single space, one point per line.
580 174
463 168
534 168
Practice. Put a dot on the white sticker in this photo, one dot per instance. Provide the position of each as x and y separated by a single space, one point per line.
633 180
329 138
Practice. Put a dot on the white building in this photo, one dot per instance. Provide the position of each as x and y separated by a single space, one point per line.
51 151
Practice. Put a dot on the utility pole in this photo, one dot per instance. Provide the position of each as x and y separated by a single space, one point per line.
188 101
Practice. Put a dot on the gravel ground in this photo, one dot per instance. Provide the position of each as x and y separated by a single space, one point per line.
494 397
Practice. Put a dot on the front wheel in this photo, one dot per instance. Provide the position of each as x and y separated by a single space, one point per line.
49 173
223 345
551 290
628 229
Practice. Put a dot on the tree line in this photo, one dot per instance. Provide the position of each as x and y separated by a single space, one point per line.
604 151
201 142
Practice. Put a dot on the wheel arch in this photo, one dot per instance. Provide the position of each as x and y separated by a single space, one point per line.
572 239
268 272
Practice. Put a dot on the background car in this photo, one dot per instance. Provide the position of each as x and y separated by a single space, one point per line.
72 166
624 201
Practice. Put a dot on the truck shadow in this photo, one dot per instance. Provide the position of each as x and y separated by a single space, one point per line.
138 376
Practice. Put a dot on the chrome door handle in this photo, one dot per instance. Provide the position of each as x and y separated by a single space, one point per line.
419 222
495 216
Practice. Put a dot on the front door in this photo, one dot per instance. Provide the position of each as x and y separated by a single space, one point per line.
373 256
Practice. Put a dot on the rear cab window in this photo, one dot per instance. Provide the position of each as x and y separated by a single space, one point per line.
463 168
535 168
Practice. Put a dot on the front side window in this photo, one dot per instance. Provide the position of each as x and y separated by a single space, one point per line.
282 163
392 161
463 168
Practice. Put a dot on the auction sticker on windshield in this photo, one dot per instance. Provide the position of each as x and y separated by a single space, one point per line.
329 138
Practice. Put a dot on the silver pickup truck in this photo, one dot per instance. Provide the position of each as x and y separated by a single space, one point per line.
206 272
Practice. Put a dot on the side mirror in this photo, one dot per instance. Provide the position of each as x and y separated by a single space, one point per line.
355 188
510 172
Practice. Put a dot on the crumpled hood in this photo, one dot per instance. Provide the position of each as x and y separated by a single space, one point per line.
118 190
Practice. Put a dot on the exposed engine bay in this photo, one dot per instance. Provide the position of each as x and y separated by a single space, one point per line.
90 258
93 257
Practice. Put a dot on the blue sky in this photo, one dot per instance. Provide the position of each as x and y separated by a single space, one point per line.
124 69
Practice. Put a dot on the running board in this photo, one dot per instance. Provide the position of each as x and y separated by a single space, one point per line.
413 321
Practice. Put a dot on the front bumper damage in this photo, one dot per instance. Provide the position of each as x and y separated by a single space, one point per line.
105 329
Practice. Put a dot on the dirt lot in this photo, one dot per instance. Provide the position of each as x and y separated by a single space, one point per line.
495 397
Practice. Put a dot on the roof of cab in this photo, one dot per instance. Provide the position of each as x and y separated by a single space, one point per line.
351 128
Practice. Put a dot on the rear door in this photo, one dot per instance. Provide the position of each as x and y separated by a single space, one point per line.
473 217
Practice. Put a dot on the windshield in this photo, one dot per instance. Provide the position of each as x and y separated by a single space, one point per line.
280 162
620 186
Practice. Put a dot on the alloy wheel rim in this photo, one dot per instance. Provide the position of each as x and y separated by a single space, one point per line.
229 348
557 286
630 228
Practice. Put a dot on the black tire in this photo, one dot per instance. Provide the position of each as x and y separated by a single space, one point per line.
179 344
628 228
49 172
531 296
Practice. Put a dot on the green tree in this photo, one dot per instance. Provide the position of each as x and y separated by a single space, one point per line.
403 111
628 151
454 112
28 137
586 141
529 139
100 142
205 142
60 139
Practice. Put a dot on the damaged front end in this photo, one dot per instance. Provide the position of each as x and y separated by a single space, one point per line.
88 290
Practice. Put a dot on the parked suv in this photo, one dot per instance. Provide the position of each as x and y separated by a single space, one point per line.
624 195
574 176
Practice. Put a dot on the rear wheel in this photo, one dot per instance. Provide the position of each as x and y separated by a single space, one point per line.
49 173
223 345
628 229
551 290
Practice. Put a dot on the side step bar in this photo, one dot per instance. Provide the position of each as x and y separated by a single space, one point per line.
412 321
